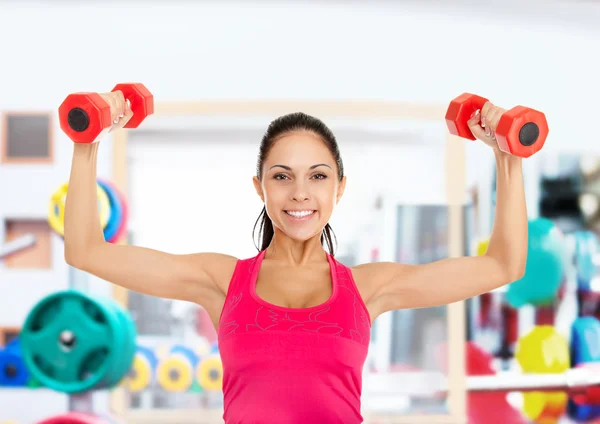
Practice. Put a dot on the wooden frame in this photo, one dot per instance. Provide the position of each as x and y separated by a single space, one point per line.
4 159
5 332
456 188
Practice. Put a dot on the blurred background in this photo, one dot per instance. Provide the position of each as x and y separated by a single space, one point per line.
189 183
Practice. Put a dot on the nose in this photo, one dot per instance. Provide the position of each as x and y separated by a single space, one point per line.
300 192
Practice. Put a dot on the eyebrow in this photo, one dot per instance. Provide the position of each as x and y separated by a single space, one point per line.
287 168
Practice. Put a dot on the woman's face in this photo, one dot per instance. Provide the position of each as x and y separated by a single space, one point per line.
300 185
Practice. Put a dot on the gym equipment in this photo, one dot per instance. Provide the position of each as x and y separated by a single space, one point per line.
175 372
141 99
142 373
521 131
546 257
122 230
202 346
585 348
13 371
117 219
485 407
586 247
86 117
209 373
56 213
479 363
581 383
16 245
129 335
74 418
73 342
543 350
482 247
585 340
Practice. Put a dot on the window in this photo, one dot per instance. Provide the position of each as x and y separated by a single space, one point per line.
8 334
34 256
27 138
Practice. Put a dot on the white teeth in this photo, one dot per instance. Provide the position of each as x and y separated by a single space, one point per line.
299 214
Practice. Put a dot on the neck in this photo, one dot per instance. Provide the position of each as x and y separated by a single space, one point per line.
295 252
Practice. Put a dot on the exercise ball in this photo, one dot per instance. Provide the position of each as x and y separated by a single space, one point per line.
546 256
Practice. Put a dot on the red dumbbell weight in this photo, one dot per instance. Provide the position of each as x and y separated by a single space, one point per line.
521 131
74 418
85 117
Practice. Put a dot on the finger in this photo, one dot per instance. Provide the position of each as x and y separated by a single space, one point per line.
478 132
125 119
475 118
490 122
121 102
475 125
114 110
496 118
485 113
486 109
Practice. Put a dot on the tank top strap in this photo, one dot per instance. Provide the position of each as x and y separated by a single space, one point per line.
345 283
239 286
342 275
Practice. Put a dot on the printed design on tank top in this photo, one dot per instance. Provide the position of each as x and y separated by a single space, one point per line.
323 320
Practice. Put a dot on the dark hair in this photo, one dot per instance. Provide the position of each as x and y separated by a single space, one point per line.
279 127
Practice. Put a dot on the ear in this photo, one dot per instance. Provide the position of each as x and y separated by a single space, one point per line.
341 188
258 188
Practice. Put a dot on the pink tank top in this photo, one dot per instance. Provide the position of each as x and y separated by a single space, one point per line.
292 365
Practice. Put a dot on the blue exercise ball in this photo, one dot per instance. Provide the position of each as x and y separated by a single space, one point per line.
586 247
546 256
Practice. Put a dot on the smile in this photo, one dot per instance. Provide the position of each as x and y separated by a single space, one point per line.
300 214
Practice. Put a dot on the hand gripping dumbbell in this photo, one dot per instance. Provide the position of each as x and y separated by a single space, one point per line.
521 131
85 117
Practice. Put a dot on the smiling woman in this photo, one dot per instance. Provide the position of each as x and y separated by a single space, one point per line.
292 318
306 162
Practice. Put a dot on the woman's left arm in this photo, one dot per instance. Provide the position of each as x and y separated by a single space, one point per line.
399 286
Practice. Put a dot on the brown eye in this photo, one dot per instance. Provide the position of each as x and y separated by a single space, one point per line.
320 176
280 177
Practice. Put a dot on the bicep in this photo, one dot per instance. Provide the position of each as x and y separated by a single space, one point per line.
438 283
191 277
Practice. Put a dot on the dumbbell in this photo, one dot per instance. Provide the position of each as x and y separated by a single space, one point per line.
85 117
521 131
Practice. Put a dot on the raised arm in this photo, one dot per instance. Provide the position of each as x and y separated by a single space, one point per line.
389 286
201 278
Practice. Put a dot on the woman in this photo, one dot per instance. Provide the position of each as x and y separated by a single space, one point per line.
294 323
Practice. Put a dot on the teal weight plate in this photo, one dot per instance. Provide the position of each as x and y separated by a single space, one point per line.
123 360
131 345
68 341
117 346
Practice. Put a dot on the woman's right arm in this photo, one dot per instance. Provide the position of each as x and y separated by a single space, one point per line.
201 278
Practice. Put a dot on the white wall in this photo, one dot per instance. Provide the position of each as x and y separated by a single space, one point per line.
379 50
541 56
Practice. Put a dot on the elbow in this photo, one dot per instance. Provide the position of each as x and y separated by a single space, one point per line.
77 252
76 256
515 270
520 266
73 259
517 274
511 270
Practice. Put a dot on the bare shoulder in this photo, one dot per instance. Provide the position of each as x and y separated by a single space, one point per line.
368 278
